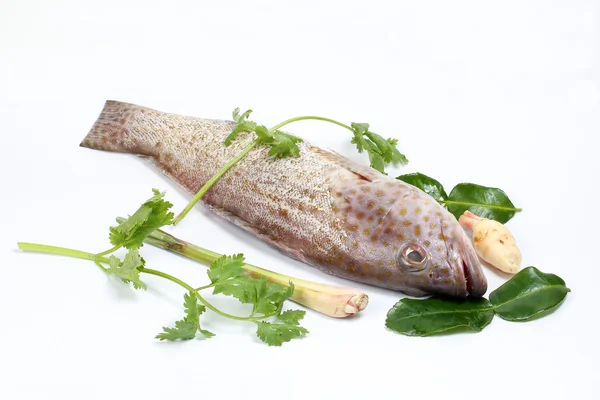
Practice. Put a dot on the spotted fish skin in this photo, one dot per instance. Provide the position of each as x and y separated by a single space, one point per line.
346 219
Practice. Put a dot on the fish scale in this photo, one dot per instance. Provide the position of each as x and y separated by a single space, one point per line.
346 219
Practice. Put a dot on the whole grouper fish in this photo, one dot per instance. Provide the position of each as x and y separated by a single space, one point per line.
321 208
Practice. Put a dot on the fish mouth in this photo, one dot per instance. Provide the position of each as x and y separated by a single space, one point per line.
475 281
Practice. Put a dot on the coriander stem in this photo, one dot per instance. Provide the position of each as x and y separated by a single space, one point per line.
100 265
308 117
63 251
212 181
108 251
254 310
205 287
198 296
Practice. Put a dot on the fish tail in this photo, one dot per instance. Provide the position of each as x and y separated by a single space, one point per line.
112 130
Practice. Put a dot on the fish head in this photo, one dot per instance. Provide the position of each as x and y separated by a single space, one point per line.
434 253
408 242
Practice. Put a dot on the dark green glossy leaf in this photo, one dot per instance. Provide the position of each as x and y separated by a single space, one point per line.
528 294
435 315
487 202
426 184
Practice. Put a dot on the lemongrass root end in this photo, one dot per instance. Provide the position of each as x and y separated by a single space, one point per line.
356 303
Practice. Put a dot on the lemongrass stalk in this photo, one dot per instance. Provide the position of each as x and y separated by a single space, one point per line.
334 301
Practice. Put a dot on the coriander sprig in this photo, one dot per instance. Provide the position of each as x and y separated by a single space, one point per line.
225 273
187 328
381 151
282 145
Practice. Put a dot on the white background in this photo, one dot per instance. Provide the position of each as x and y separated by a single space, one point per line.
504 94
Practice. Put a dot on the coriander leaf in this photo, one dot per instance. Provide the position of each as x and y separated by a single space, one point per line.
246 126
128 270
237 117
186 328
291 317
243 125
270 297
228 276
121 233
360 127
206 333
263 134
226 267
358 139
277 334
383 146
151 215
284 145
377 161
183 330
242 288
193 309
381 151
397 157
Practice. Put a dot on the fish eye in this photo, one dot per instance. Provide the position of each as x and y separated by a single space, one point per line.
412 256
415 256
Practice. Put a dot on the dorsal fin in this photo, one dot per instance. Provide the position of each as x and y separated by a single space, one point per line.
366 172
